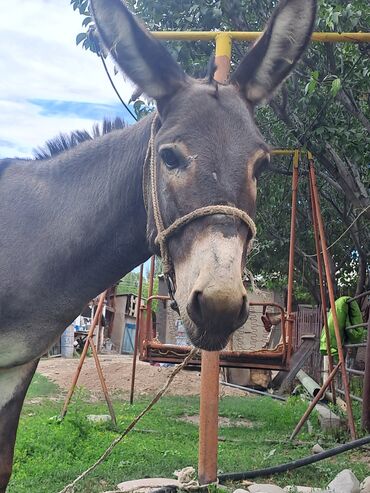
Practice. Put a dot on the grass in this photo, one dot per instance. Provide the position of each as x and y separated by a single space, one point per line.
50 453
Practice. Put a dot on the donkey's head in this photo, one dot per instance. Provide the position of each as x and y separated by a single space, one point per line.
208 152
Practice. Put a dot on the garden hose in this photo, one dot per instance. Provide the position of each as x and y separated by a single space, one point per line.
239 476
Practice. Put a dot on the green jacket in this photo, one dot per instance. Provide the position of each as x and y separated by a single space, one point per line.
348 314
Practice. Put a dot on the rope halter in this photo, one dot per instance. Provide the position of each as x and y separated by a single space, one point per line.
164 233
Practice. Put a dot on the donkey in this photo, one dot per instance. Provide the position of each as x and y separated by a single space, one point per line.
75 223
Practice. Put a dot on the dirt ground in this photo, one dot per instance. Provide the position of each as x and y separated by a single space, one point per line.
117 372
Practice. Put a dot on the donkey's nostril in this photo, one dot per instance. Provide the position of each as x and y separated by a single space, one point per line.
194 307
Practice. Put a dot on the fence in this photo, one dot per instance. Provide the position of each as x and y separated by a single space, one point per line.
308 320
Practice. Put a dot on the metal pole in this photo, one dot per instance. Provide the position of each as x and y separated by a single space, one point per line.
134 356
84 353
289 307
210 368
253 35
366 391
321 283
315 400
148 334
208 417
351 422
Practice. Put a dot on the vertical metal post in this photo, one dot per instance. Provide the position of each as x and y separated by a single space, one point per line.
289 307
321 283
210 369
208 417
324 247
134 356
366 391
148 335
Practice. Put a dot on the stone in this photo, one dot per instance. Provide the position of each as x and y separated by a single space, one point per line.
328 420
147 484
304 489
317 449
240 490
365 485
345 482
265 488
98 418
309 427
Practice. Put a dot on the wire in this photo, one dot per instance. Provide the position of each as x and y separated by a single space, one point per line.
115 89
343 234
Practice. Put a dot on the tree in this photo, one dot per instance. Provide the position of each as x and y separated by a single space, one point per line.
323 108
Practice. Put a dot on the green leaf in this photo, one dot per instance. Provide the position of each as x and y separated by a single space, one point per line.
335 86
80 37
86 21
310 87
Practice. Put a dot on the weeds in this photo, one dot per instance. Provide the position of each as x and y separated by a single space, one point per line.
50 453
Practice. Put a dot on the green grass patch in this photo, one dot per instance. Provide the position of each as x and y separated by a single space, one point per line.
50 453
42 387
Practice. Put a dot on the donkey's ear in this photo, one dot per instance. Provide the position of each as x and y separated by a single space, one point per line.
274 55
144 59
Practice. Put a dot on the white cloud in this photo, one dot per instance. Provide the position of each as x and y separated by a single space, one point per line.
39 60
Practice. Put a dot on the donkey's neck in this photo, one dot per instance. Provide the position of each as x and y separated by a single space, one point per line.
102 219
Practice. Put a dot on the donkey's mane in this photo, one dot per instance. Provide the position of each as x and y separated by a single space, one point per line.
63 142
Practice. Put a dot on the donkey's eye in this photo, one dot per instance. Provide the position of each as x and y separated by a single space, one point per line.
170 158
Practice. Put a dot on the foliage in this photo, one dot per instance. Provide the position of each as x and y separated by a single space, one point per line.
324 107
50 453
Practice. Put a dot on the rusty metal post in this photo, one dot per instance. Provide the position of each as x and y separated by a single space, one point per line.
90 334
134 356
148 334
366 391
208 417
315 400
289 307
351 422
210 368
322 291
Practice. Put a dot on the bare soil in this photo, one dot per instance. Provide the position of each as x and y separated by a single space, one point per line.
117 372
223 421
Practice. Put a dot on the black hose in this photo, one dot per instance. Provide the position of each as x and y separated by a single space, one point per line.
239 476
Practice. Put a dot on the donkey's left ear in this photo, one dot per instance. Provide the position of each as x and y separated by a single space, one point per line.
274 55
142 57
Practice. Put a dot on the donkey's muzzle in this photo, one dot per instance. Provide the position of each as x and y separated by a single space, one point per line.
217 312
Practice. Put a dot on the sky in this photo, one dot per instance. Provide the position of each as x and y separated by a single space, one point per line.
48 84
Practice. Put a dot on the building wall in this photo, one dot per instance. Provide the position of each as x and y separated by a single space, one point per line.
119 322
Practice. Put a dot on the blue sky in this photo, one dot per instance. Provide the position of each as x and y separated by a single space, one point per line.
47 84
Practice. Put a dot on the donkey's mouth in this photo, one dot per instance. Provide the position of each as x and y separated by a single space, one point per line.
209 339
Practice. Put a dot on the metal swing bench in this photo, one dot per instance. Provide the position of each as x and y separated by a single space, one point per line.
153 351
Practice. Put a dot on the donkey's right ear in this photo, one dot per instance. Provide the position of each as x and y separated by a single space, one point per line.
143 58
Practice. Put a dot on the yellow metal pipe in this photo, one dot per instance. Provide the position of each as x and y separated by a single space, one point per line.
253 35
285 152
224 45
